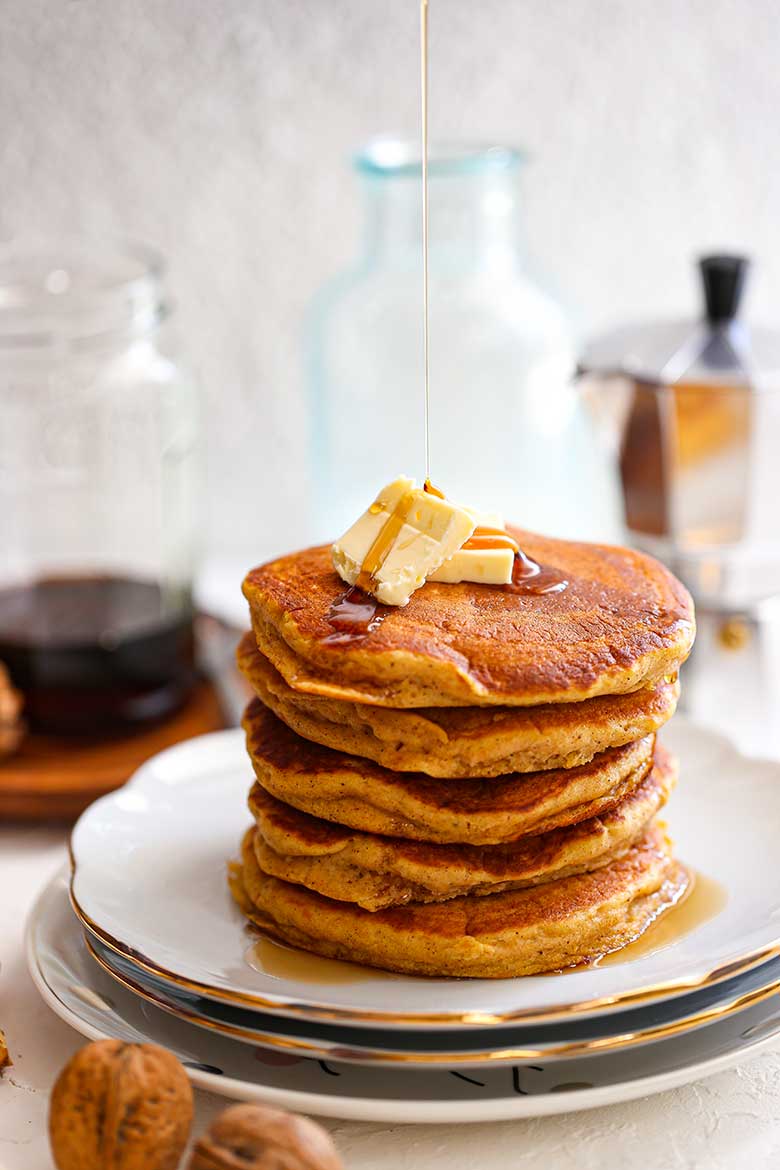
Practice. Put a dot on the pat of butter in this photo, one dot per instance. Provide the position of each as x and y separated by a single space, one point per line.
486 519
400 541
485 566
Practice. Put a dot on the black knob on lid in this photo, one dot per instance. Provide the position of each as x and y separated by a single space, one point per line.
724 279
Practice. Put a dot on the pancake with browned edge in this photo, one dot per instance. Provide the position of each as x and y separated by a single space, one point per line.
376 872
623 623
519 932
364 795
463 741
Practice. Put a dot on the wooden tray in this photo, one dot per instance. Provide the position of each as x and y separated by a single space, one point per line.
53 778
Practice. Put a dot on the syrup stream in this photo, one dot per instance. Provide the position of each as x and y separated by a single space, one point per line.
356 613
424 135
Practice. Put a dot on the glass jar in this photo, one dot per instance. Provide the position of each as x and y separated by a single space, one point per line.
98 466
507 428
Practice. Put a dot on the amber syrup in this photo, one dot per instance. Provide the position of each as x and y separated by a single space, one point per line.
95 654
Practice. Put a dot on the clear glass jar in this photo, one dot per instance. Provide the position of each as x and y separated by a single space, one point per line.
507 428
98 470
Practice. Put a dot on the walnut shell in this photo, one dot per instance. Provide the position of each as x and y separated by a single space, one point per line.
257 1137
120 1106
5 1059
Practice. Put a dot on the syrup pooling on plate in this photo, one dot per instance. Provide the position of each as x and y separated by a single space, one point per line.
703 901
281 962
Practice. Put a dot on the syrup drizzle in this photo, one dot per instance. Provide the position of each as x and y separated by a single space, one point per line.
527 575
383 542
530 577
487 538
352 616
357 613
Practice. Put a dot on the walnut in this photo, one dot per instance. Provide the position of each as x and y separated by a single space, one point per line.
11 725
5 1059
257 1137
120 1106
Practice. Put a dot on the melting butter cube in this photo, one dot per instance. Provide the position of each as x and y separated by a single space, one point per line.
400 541
485 566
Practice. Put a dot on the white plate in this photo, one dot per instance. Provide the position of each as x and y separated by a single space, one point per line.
149 881
87 999
455 1048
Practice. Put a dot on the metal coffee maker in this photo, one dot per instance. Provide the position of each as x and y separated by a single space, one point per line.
690 414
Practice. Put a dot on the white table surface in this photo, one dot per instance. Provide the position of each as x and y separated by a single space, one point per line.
726 1122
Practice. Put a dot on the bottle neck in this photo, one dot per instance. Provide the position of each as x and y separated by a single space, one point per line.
473 220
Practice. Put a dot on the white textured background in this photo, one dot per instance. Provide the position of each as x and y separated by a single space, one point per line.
219 131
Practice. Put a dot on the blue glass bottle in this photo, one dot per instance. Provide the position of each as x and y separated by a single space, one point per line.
507 431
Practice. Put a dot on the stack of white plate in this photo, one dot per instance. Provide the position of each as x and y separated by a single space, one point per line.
157 951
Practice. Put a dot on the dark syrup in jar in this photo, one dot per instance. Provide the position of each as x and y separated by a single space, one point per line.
95 654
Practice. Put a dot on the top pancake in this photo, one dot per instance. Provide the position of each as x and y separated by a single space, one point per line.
623 622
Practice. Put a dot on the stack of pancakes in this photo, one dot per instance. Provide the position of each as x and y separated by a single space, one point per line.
470 787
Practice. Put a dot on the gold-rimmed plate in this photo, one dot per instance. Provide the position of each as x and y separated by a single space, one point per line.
459 1047
93 1003
149 882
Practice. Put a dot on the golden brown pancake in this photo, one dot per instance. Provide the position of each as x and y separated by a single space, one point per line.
376 872
623 623
364 795
463 741
519 932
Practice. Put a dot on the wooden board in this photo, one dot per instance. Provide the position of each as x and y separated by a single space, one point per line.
54 778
